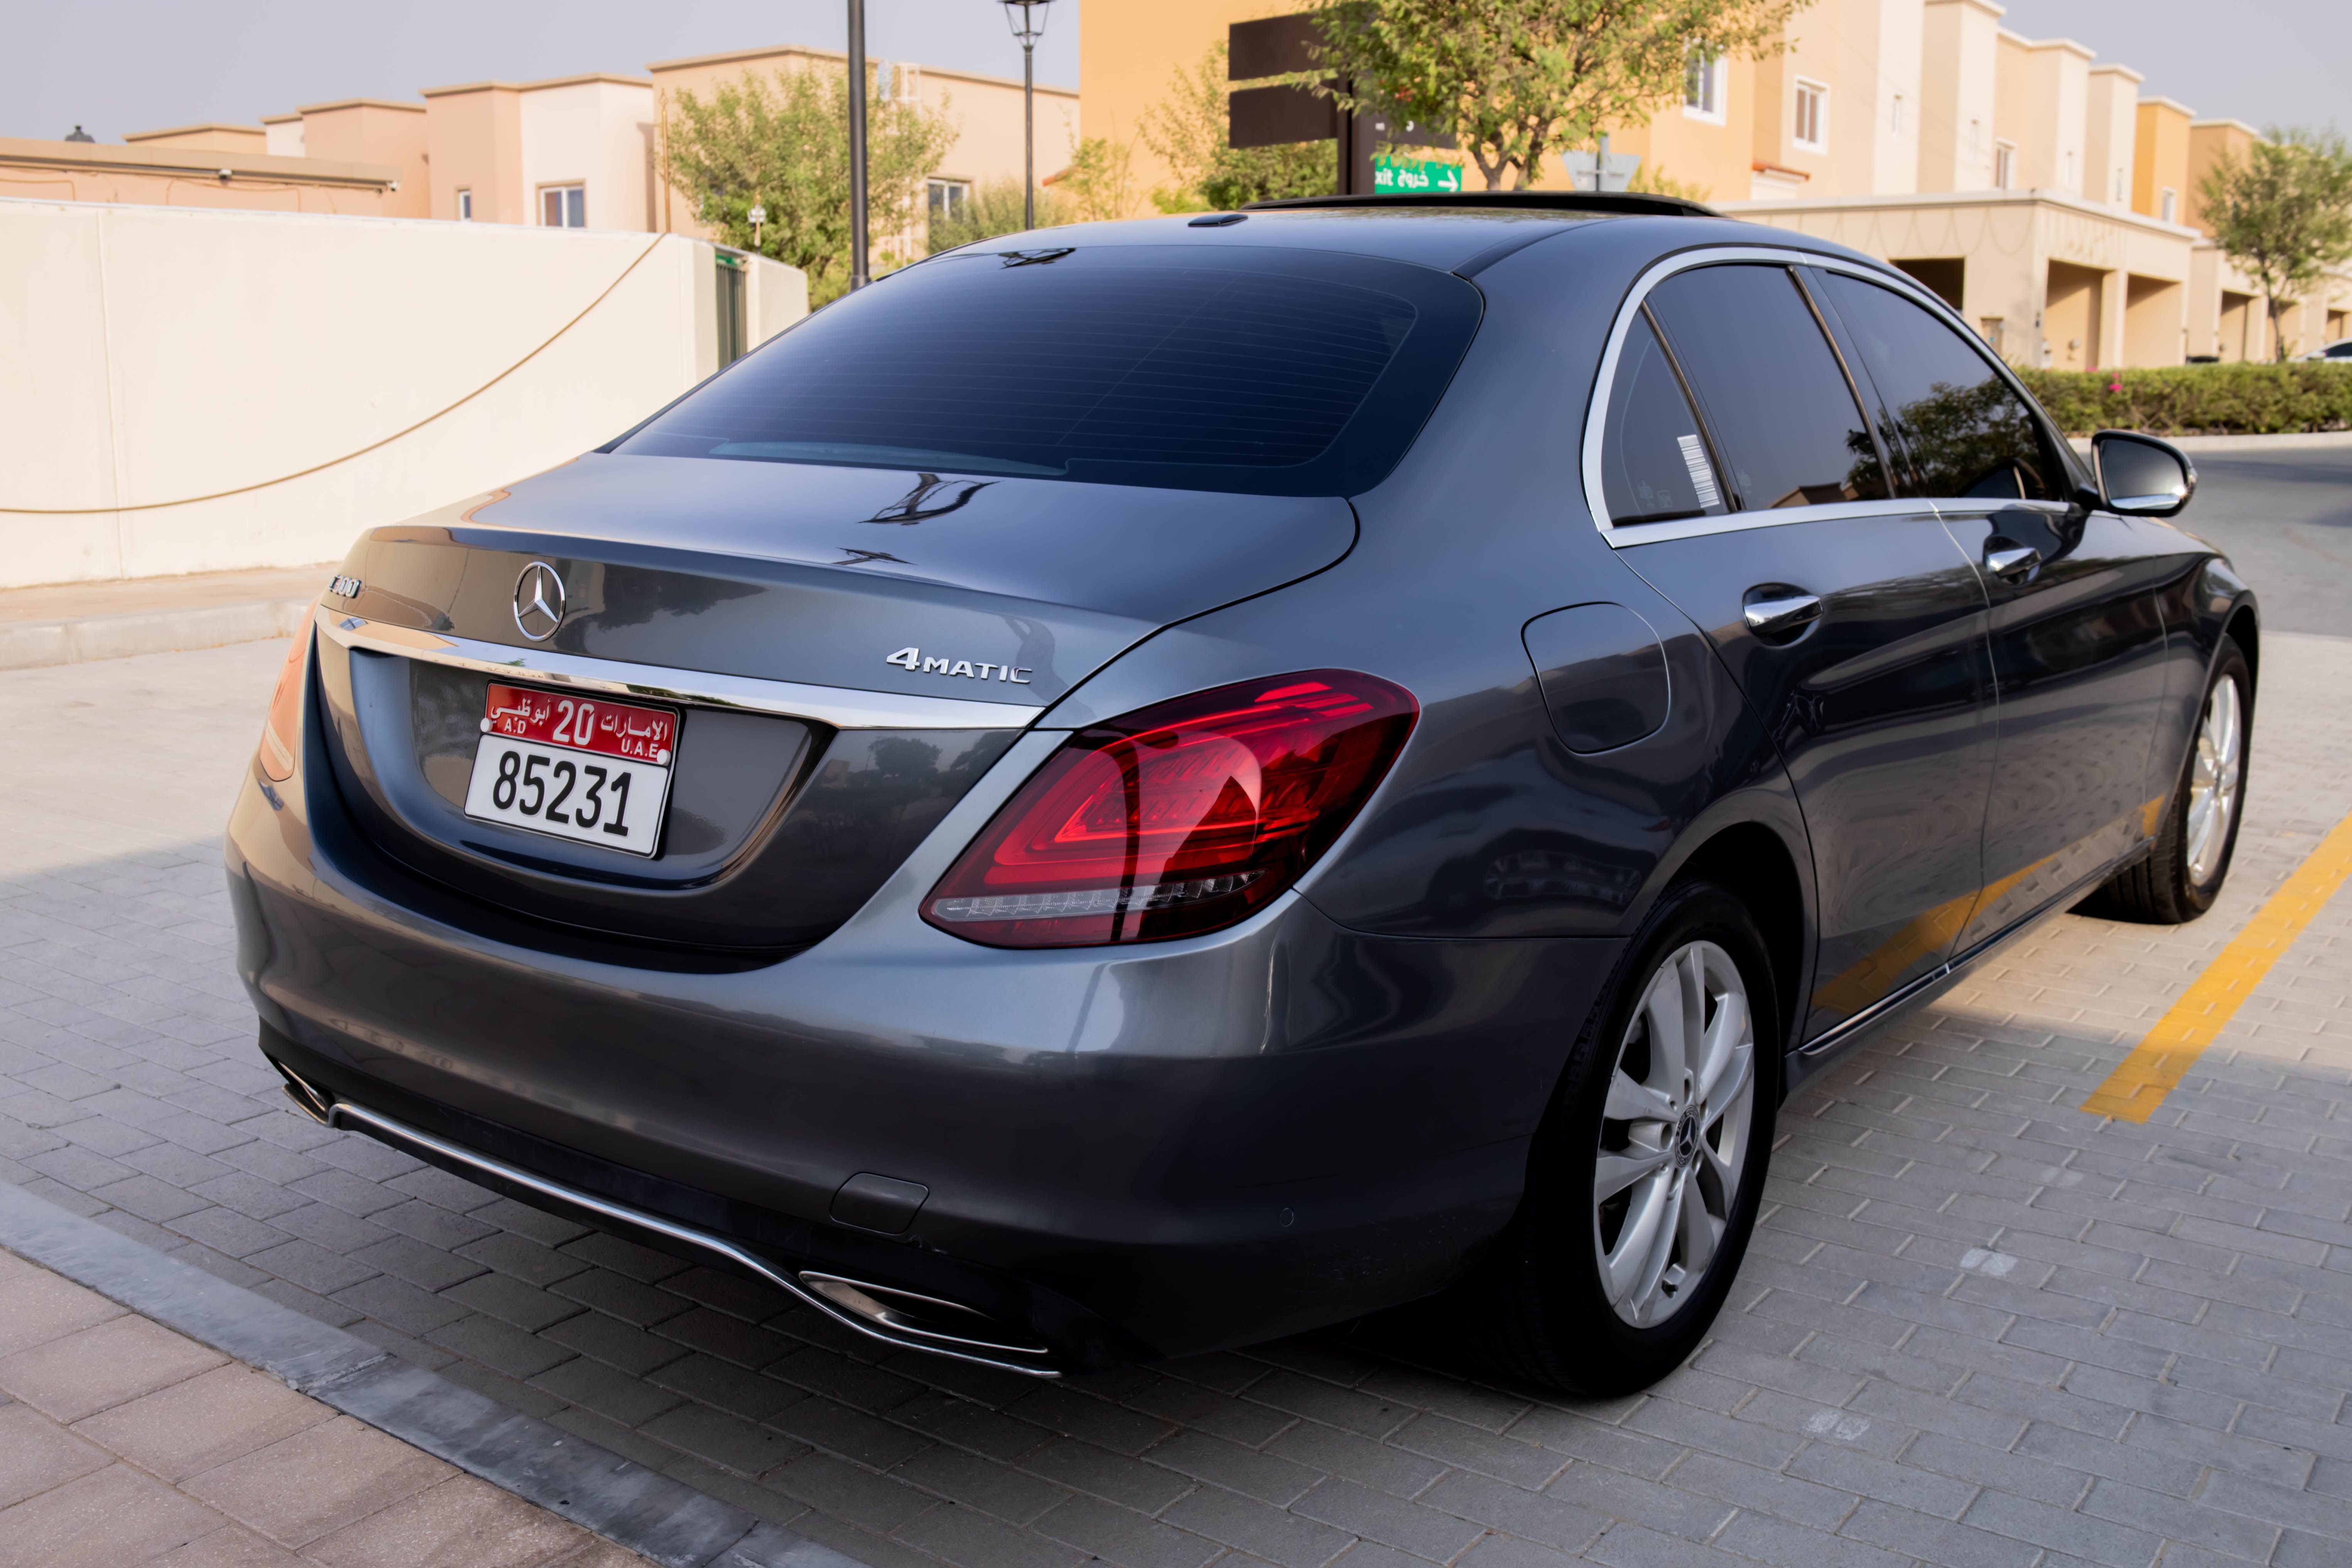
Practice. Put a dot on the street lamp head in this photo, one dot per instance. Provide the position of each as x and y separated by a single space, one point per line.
1027 20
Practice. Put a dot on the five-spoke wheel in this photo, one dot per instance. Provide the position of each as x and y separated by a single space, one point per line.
1673 1135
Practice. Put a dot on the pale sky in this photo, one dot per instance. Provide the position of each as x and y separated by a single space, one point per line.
139 65
117 66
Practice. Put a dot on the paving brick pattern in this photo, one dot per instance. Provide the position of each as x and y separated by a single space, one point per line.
1977 1326
123 1443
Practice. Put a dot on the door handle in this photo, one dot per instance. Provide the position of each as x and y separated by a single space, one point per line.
2011 563
1778 613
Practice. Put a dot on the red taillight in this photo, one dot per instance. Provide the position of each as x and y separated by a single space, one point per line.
1180 818
281 736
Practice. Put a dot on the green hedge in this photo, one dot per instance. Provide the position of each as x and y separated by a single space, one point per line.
2198 399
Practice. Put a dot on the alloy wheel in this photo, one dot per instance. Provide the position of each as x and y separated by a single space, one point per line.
2213 778
1674 1134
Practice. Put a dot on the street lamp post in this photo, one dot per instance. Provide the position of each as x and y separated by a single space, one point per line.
857 269
1027 20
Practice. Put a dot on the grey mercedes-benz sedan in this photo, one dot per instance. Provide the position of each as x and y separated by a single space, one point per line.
1145 786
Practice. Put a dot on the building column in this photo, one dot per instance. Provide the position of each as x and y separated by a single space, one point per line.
2114 300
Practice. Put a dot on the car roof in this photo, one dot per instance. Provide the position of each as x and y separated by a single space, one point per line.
1463 238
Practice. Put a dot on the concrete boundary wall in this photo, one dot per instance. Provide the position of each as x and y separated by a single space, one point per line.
204 390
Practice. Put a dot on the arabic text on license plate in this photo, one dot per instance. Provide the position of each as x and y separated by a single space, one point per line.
576 766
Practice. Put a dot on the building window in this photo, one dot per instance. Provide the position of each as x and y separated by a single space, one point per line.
2169 205
2004 165
465 206
950 199
1895 114
1703 81
1812 115
564 207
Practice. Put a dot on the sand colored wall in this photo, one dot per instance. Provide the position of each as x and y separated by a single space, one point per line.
2209 142
1959 90
1866 53
475 133
374 131
1127 53
184 177
162 357
2111 135
2156 321
2043 105
247 139
596 131
2160 157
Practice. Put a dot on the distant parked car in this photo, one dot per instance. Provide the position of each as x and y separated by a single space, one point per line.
2341 348
1143 787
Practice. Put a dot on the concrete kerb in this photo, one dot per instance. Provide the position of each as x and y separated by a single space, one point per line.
31 644
647 1512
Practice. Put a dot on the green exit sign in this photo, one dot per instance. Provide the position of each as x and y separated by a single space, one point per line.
1400 174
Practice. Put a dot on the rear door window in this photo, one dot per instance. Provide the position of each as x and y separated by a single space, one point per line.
1655 466
1959 429
1782 413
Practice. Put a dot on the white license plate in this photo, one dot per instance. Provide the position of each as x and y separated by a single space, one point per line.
590 789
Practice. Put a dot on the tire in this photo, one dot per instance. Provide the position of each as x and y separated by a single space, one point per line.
2184 873
1566 1293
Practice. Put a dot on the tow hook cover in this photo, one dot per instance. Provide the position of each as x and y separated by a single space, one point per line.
879 1203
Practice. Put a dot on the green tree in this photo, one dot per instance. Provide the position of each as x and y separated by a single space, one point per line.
2283 213
1516 78
1187 129
991 210
1099 182
781 143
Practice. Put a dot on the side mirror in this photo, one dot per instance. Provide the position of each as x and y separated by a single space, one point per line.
2140 476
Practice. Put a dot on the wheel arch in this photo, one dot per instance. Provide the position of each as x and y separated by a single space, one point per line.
1754 844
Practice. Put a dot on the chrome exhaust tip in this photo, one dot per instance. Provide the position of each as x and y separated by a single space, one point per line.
897 1317
318 1106
923 1318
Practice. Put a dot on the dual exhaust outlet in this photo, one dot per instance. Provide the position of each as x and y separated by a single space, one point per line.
885 1313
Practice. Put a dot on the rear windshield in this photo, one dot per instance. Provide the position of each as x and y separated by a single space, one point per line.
1278 372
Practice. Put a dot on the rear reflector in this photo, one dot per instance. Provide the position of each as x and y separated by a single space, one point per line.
1180 818
281 736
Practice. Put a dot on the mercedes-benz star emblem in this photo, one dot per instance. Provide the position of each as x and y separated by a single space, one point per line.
539 602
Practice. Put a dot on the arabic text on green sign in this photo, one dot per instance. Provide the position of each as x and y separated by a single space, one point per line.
1398 174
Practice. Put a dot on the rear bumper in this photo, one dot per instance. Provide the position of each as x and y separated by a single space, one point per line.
1129 1154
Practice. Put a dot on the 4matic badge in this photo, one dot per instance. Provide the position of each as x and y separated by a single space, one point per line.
911 660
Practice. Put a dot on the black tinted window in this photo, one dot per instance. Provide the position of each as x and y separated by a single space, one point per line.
1653 464
1959 429
1235 370
1784 420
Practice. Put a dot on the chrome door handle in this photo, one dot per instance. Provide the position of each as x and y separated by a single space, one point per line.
1775 610
2011 563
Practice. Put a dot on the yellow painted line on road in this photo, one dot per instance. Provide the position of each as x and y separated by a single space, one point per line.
2158 1063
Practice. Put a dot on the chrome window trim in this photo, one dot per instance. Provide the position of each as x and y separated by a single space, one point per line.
1596 417
838 707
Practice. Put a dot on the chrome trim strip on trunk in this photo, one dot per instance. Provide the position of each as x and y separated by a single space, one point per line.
836 706
343 1111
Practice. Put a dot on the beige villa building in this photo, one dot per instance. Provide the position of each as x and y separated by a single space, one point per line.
2034 188
577 152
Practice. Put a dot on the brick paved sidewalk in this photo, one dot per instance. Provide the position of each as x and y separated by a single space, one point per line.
1977 1327
122 1443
